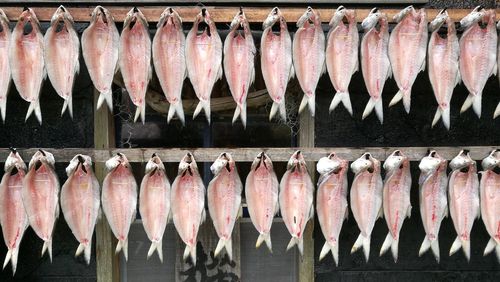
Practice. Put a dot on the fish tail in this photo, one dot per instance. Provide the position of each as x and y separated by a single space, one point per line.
426 244
68 104
334 248
47 246
379 111
398 97
344 98
274 109
241 111
495 114
86 249
364 242
369 108
105 96
476 104
176 109
457 244
190 251
437 116
122 245
324 251
205 106
282 109
140 111
156 246
407 100
466 248
264 237
446 117
3 108
308 100
468 102
374 104
34 107
387 244
227 244
489 247
394 249
8 257
497 252
296 241
435 249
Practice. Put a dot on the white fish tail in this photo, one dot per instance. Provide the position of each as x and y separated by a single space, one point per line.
434 245
377 104
497 252
274 109
495 114
225 243
86 249
34 106
296 241
12 255
265 237
402 95
364 242
190 252
474 101
308 100
446 117
205 106
176 109
122 246
68 104
3 108
489 247
398 97
241 112
464 244
334 248
105 96
389 242
156 246
140 111
344 98
437 116
47 246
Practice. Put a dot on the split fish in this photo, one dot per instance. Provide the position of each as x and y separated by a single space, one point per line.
239 57
366 199
490 201
331 202
375 62
100 48
119 199
80 201
40 194
204 60
26 49
276 61
5 75
188 204
396 199
154 203
497 110
261 194
13 216
464 200
407 50
309 56
342 55
169 45
296 199
135 59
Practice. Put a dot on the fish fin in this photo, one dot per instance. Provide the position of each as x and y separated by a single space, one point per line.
13 259
380 213
422 67
186 252
435 249
227 244
47 247
237 112
408 212
436 118
366 247
219 73
489 247
282 110
476 104
369 108
398 97
344 98
426 244
495 70
140 111
335 253
156 246
68 104
346 215
446 117
243 114
467 103
357 244
292 72
497 111
387 243
274 109
3 108
263 237
87 252
122 245
458 78
176 109
457 244
105 96
389 73
303 103
79 250
203 216
497 251
205 106
229 248
324 251
356 68
407 101
240 212
8 256
300 246
311 102
394 250
190 252
466 249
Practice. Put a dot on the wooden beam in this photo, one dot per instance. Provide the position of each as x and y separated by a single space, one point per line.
106 261
221 14
195 2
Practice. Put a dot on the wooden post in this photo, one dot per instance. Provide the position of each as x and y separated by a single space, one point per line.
104 138
306 139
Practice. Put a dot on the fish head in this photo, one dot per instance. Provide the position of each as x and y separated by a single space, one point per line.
170 17
440 19
262 160
310 16
133 17
473 17
340 14
462 160
118 160
41 156
296 161
372 19
224 161
492 160
154 164
28 18
4 20
273 17
82 163
61 14
330 164
396 160
365 163
102 15
14 160
403 13
431 162
188 165
240 20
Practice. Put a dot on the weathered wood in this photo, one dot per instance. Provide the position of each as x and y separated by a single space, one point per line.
218 14
174 155
106 261
220 1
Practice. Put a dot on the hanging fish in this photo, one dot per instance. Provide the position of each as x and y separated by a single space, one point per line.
374 60
100 48
239 57
396 199
407 47
204 60
309 56
40 194
342 55
464 200
296 199
443 56
366 199
5 75
331 202
261 194
154 203
490 201
13 216
188 204
80 202
478 47
497 110
26 49
276 61
169 61
119 199
135 59
61 52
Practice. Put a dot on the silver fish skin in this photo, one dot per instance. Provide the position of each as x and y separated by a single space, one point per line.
239 66
5 73
100 48
27 50
61 52
169 44
204 60
490 201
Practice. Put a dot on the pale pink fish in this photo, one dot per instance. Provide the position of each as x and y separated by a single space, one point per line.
40 194
407 50
261 194
375 60
188 204
296 199
100 48
26 61
13 216
366 199
239 57
443 56
396 199
490 201
119 199
224 200
154 203
61 52
276 61
331 201
497 110
478 48
135 59
433 190
80 201
5 76
342 55
169 45
203 59
309 56
464 200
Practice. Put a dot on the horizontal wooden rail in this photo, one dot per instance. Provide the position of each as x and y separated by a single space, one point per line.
248 154
219 14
